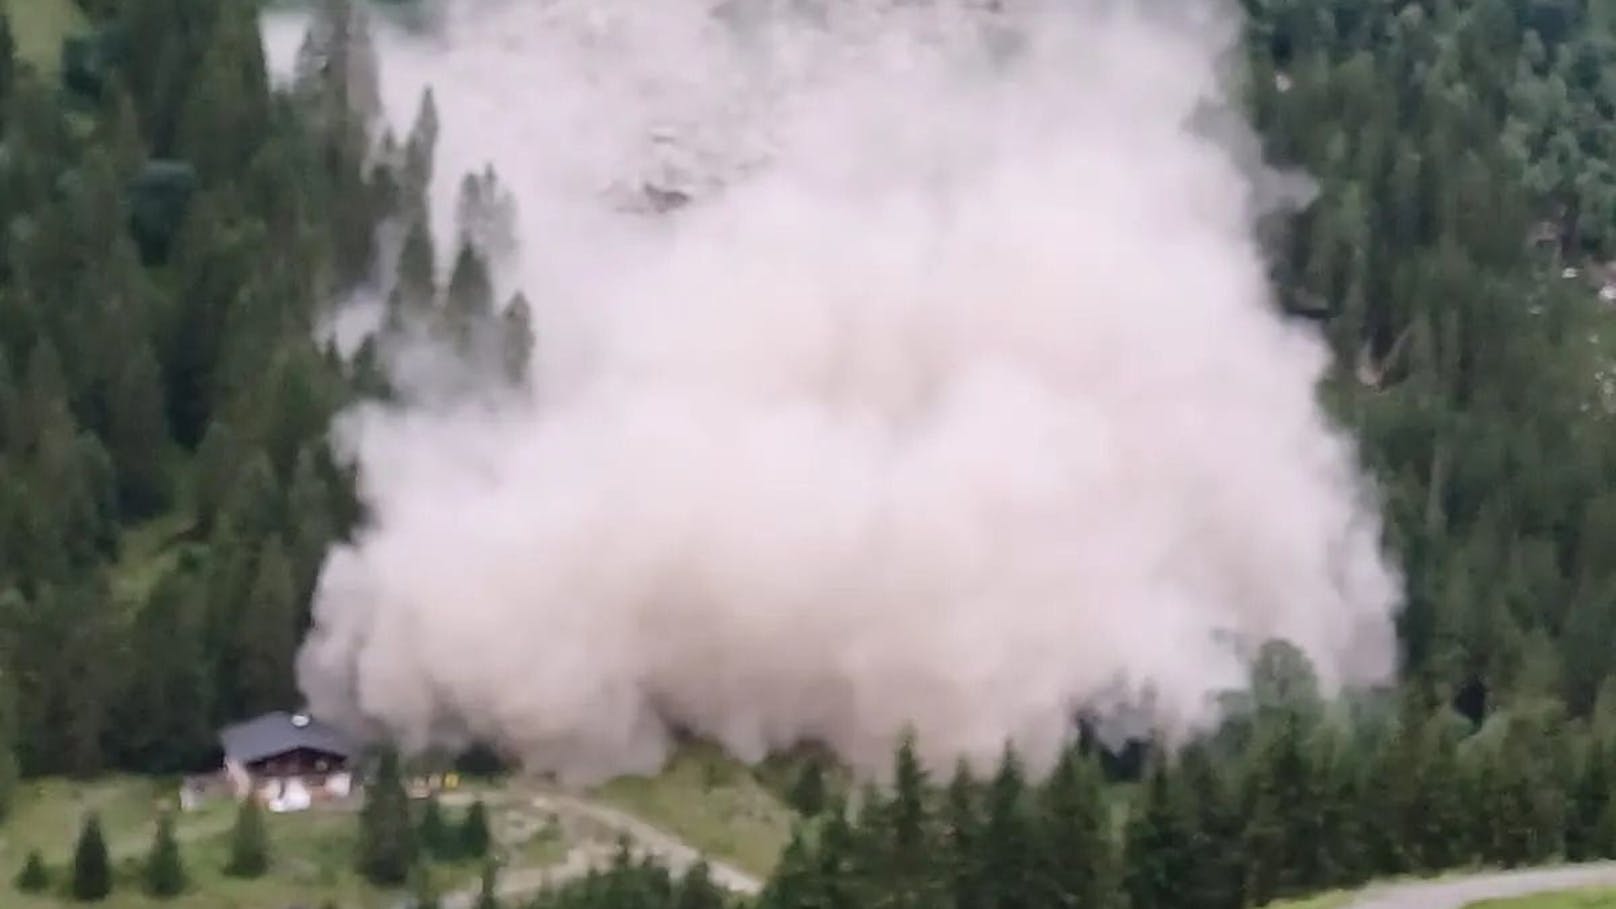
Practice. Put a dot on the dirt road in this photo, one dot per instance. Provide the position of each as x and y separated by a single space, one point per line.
1458 892
601 827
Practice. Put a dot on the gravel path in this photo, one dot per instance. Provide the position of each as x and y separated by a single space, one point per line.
1459 892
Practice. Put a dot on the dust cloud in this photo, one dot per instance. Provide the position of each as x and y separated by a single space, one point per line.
954 400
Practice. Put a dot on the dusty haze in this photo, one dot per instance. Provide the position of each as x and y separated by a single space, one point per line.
956 399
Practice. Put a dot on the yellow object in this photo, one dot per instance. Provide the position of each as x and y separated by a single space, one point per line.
451 780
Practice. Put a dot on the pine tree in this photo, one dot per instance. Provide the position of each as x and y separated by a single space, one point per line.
1009 842
468 309
137 435
8 741
8 65
436 839
387 845
516 341
962 839
488 889
267 634
1213 878
164 872
474 837
1588 805
249 841
808 791
1076 854
795 883
697 891
417 278
34 877
163 724
1158 845
92 870
908 836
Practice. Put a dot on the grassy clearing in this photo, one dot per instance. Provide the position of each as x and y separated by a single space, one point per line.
714 803
39 27
312 852
311 855
1598 898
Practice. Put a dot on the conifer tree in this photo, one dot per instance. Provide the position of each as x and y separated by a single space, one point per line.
1010 854
249 841
417 278
808 790
1589 805
488 886
1076 854
92 869
794 883
516 341
1158 844
8 65
34 877
267 634
437 840
1213 878
8 736
696 889
387 844
962 840
468 309
908 840
474 836
138 435
164 872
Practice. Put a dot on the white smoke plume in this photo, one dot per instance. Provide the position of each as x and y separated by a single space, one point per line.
955 401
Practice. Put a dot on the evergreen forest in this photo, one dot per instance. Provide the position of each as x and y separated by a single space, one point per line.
173 231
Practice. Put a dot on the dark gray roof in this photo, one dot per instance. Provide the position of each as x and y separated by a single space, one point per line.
280 732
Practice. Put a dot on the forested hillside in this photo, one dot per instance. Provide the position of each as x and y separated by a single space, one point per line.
172 232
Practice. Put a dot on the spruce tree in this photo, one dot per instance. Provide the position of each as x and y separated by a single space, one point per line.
1009 848
164 872
1157 848
92 869
908 838
387 844
474 837
34 877
8 742
962 840
488 887
1589 805
1075 850
436 838
249 841
8 65
468 309
1213 878
516 341
795 881
696 890
808 791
